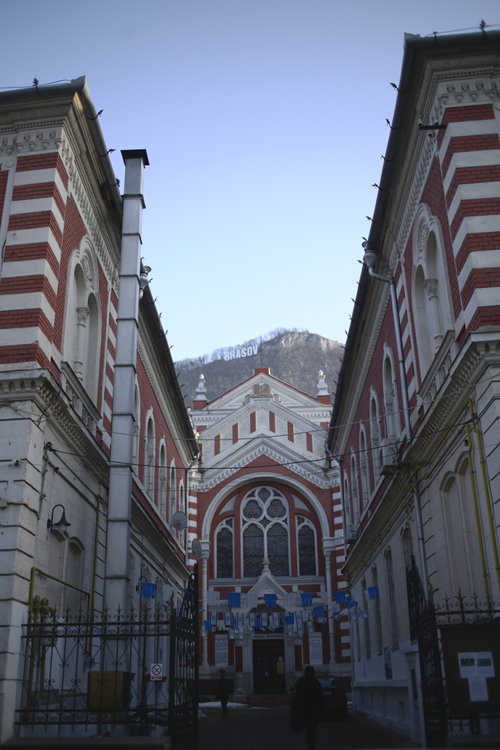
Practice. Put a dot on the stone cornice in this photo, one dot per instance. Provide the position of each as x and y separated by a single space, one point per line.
39 386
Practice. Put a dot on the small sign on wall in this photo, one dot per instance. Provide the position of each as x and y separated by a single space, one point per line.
315 650
221 652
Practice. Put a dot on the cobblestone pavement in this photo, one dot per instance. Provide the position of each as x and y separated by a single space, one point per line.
269 729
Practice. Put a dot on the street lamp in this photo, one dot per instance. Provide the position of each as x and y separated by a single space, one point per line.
62 521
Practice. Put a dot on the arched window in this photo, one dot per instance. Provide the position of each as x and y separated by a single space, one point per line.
172 491
149 459
225 549
407 548
81 348
57 543
390 401
74 571
182 509
391 588
355 491
376 604
462 570
137 430
264 522
432 307
347 503
253 550
365 470
162 479
366 621
375 439
307 547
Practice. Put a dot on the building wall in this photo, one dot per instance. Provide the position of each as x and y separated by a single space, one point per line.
60 220
439 232
245 449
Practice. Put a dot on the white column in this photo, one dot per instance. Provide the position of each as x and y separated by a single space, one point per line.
82 314
431 287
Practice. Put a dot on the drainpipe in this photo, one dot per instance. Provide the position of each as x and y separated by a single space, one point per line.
120 477
369 259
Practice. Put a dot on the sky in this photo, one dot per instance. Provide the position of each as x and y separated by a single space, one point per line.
264 123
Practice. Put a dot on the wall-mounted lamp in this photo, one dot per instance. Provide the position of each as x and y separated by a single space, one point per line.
63 521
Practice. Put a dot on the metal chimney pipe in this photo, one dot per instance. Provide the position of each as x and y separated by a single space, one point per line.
122 431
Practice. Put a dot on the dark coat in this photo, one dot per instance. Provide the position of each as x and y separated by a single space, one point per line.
222 690
308 705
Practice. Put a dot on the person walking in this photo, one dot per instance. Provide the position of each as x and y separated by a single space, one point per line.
308 706
222 691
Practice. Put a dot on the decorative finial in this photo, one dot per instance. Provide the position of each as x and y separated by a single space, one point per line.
322 386
201 391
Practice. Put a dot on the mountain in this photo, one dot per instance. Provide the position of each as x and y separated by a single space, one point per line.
293 356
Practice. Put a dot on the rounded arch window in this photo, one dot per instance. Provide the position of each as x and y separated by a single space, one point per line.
265 530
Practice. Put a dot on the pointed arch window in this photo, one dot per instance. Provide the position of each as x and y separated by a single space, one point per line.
82 331
172 493
355 491
225 549
265 531
365 470
137 430
162 484
431 298
392 598
149 469
390 400
307 547
375 438
378 615
366 621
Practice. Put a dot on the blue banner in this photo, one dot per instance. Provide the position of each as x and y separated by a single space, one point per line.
306 599
340 597
270 601
234 600
148 590
373 592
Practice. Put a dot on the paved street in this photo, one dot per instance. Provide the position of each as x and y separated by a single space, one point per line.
269 729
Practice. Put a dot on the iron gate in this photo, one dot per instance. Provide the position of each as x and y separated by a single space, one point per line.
431 625
138 670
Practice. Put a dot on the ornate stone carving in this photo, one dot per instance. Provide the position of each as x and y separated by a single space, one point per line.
422 243
82 315
430 286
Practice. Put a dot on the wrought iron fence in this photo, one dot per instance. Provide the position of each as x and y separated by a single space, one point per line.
138 669
458 626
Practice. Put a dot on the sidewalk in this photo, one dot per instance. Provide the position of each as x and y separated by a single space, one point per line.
250 727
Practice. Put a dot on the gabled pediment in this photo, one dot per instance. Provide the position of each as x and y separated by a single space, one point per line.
280 455
267 584
262 385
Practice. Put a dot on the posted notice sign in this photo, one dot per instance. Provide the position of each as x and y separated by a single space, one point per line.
156 672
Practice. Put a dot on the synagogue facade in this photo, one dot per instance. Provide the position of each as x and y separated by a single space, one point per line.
268 520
